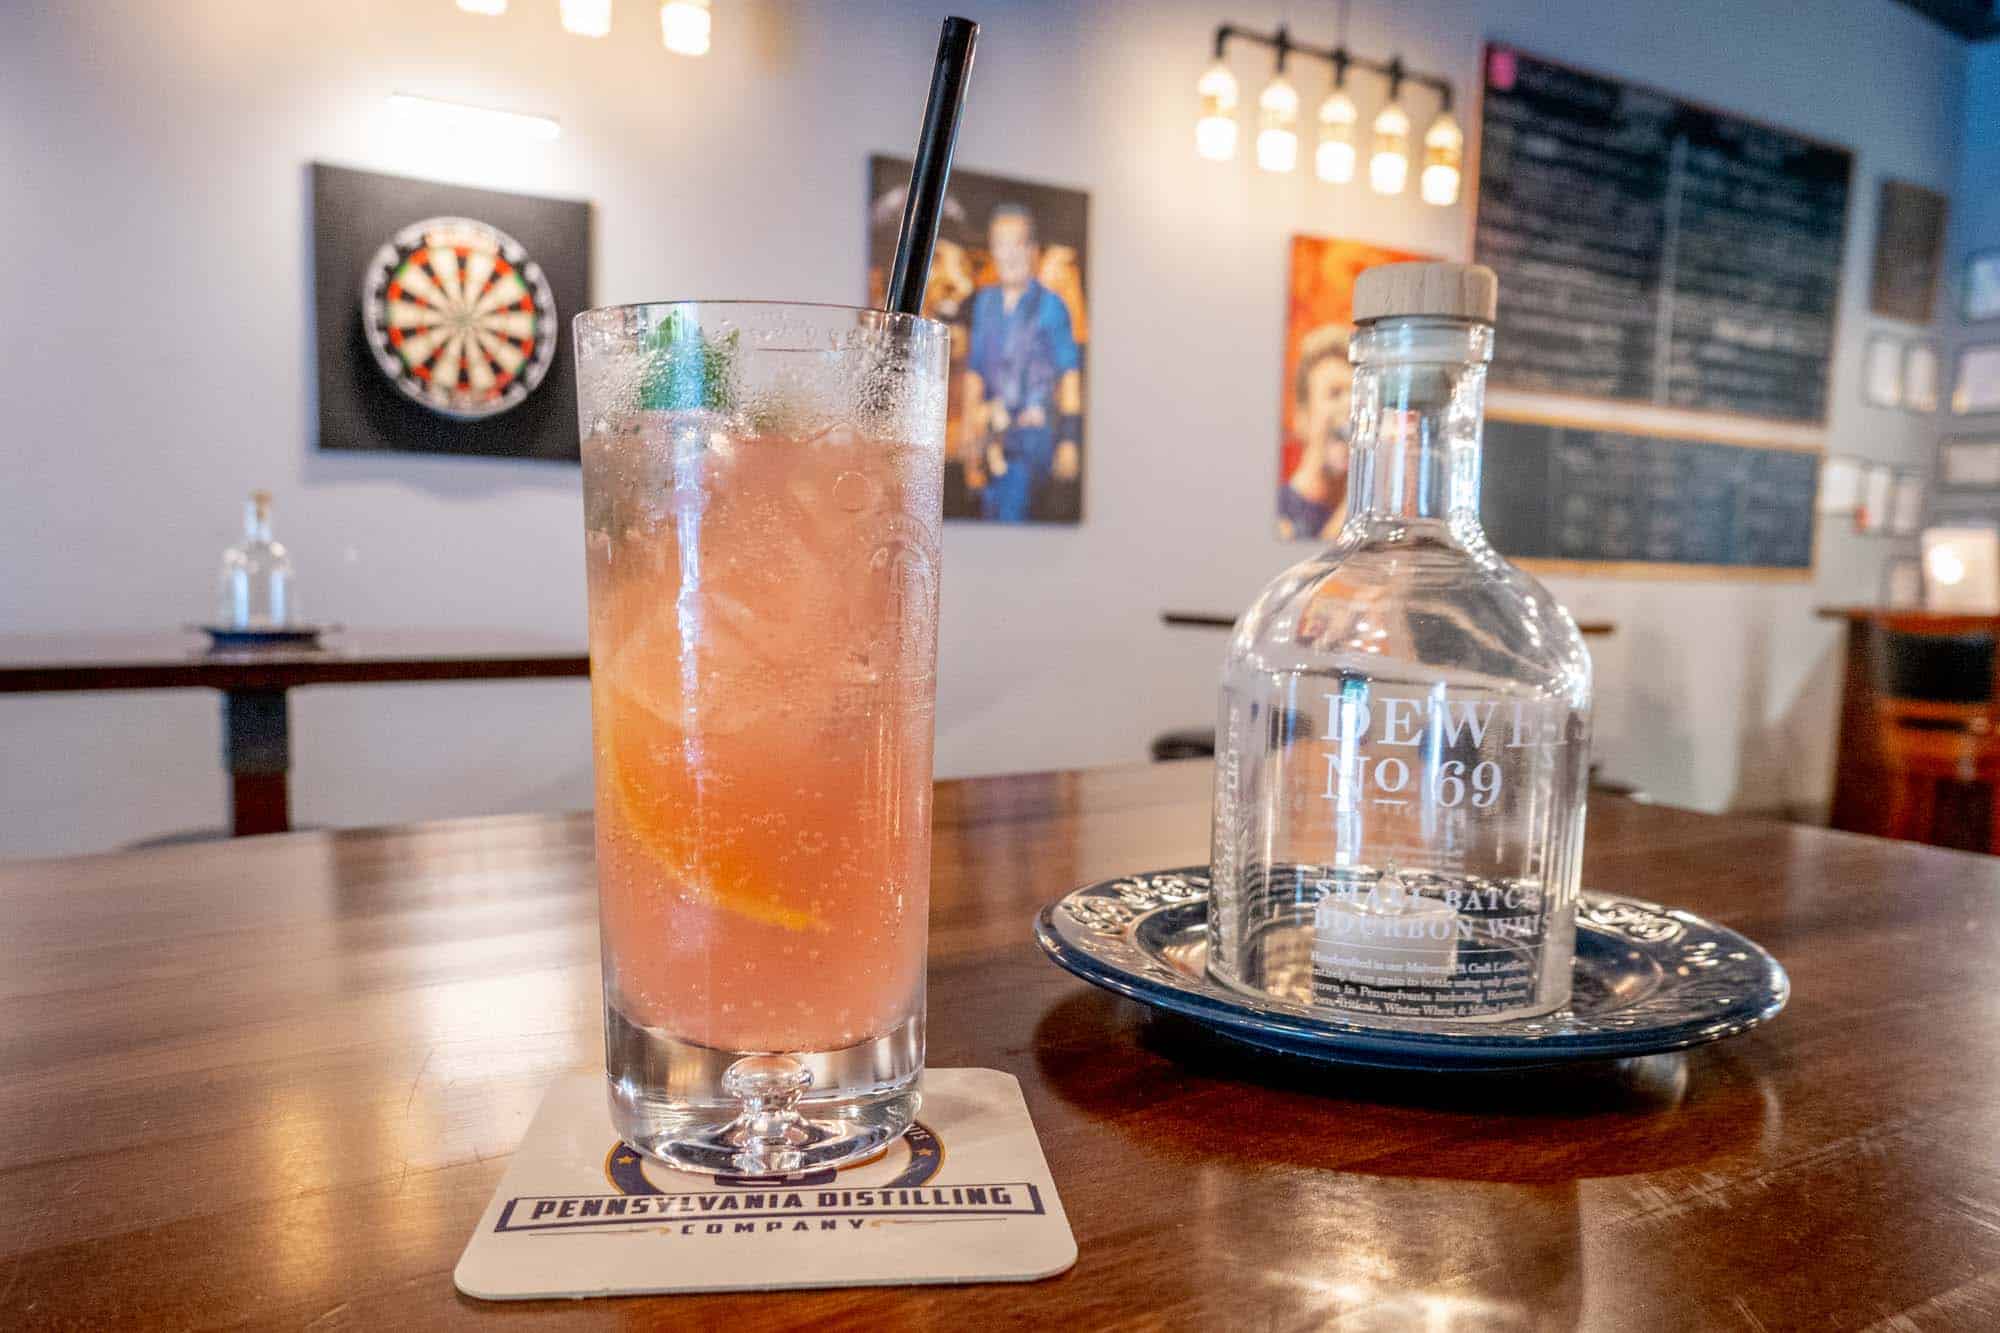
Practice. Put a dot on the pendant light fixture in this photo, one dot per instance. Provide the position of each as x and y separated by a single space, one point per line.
1336 154
586 18
684 27
1389 145
1444 157
1278 125
1215 132
1333 160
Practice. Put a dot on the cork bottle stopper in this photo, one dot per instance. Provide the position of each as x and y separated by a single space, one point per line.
1450 291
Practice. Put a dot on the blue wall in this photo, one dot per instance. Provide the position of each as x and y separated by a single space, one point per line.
1977 205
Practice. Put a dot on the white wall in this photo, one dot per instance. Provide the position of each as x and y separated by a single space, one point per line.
156 269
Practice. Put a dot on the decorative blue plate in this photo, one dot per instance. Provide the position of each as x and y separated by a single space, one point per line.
1648 979
225 638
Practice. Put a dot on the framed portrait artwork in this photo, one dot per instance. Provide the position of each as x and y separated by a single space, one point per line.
1010 276
1314 382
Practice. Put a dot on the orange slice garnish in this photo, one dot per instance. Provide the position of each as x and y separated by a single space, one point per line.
651 802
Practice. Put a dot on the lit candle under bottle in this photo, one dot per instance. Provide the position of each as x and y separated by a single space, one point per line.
1384 938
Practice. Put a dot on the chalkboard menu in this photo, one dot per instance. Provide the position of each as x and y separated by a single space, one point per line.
1559 492
1655 251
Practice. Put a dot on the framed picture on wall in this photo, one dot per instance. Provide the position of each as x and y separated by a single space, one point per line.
442 316
1839 485
1982 287
1009 275
1906 505
1313 384
1976 383
1920 377
1878 490
1882 372
1909 251
1972 465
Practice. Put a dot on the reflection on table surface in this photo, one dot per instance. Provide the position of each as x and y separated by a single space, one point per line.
277 1078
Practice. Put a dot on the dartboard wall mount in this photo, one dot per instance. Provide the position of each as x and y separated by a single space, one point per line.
442 316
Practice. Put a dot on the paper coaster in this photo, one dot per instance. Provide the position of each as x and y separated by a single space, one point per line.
965 1196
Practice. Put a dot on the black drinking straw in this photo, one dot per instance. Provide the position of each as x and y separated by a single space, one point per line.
932 169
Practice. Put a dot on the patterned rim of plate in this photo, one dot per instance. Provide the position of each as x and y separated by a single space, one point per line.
1715 983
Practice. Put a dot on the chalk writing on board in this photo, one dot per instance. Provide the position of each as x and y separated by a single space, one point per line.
1558 492
1652 250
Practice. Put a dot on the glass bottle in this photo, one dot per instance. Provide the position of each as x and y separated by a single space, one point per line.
1405 717
255 588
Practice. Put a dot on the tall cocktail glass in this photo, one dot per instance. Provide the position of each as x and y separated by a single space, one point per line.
762 502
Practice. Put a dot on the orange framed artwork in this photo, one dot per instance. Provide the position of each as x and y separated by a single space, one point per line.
1313 396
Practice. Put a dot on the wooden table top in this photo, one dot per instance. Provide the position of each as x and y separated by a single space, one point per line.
276 1081
1216 620
177 660
1915 620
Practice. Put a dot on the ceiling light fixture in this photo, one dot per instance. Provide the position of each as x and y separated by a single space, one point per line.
684 27
1215 131
1336 156
1278 125
1333 160
586 18
1444 158
1389 149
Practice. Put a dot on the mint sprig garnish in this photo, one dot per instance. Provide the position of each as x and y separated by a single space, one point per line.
689 370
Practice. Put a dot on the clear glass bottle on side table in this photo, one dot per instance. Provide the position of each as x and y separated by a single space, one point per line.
1404 734
254 590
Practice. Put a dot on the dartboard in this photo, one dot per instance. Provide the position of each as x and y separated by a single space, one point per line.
458 317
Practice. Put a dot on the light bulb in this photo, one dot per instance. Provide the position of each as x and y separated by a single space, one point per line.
1945 566
1334 159
1389 155
1215 132
684 27
1444 152
1277 125
586 18
483 6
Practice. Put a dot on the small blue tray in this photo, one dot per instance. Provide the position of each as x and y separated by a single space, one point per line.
1648 979
226 638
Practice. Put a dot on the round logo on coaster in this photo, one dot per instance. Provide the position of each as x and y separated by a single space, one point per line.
908 1162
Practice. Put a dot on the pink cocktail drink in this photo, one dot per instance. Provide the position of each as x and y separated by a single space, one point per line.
763 744
762 516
